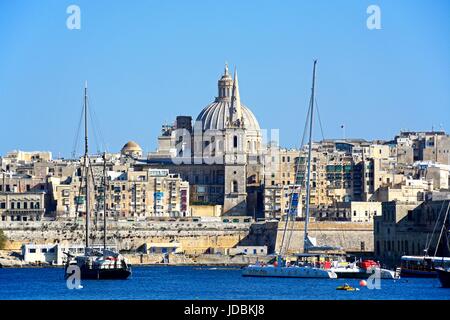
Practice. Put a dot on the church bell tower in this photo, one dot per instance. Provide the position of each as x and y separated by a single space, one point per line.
235 158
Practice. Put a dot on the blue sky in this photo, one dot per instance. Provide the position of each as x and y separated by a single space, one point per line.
148 61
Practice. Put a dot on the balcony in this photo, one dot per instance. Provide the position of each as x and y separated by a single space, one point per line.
24 211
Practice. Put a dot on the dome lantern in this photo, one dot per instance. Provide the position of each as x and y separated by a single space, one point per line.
228 108
225 85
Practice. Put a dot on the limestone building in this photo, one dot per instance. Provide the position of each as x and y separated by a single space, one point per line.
219 154
22 206
423 146
410 229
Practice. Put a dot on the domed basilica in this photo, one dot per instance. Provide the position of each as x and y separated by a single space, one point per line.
219 153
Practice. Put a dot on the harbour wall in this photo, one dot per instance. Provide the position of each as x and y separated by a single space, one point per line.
351 236
195 238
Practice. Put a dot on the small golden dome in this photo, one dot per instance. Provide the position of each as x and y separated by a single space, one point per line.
131 146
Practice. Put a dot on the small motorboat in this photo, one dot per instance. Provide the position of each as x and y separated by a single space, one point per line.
347 287
362 270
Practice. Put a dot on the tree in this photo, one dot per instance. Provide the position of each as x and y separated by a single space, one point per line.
2 239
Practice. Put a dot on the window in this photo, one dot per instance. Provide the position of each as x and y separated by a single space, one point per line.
44 250
32 251
235 141
234 186
410 215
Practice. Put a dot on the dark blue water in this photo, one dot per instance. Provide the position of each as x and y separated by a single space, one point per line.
203 283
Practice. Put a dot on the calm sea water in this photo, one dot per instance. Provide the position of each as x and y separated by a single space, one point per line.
203 283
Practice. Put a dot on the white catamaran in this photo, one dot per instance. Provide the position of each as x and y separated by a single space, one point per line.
304 266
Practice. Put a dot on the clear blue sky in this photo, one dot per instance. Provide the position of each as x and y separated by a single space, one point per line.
148 61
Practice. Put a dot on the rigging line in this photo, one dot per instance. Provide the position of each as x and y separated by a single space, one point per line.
435 226
79 190
75 142
94 188
323 138
97 127
297 170
100 132
290 201
94 125
443 227
320 120
304 175
94 130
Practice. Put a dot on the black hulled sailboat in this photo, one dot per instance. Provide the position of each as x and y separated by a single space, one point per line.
96 264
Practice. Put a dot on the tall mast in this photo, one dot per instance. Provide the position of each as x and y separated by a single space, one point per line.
104 201
308 177
86 162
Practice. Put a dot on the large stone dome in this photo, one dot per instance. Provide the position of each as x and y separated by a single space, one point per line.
214 115
227 109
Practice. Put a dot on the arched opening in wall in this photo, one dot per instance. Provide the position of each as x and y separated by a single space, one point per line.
235 142
234 186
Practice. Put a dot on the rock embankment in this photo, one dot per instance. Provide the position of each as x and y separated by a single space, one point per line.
9 260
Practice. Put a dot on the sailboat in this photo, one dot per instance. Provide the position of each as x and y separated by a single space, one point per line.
96 264
306 265
426 266
443 270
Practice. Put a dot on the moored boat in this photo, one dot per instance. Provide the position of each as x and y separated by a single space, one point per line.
280 268
287 272
362 270
422 266
95 265
347 287
302 267
444 277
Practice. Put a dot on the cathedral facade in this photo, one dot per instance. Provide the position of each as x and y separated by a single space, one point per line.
220 153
